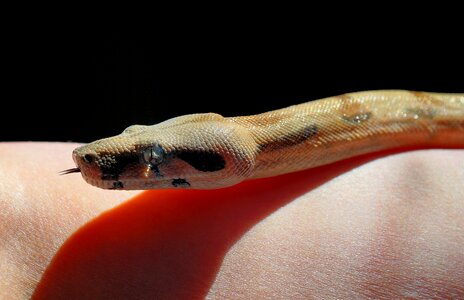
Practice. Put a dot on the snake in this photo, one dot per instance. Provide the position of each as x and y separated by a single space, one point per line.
209 151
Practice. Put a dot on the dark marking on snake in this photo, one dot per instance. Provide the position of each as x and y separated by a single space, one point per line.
293 138
155 169
117 185
202 160
180 182
357 118
311 131
112 166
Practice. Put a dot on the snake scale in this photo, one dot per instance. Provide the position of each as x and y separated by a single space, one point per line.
208 151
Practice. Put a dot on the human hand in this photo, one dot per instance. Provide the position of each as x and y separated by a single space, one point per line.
376 226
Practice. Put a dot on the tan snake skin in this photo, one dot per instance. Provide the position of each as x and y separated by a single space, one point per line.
207 151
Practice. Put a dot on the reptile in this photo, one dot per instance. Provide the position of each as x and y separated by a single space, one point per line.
209 151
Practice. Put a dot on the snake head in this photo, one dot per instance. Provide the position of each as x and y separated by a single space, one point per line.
201 151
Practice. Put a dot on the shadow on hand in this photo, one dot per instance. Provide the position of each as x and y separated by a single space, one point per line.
170 243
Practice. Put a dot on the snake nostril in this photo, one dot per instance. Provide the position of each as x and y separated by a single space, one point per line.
89 158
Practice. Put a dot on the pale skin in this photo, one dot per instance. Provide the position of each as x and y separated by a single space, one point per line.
381 226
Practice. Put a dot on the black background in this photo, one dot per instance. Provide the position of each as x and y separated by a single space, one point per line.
80 84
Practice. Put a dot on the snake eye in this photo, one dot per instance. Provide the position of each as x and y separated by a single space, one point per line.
153 155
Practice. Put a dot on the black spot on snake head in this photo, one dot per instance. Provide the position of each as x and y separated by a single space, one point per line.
180 182
112 166
202 160
117 185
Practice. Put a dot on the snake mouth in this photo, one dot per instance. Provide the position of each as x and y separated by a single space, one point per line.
125 184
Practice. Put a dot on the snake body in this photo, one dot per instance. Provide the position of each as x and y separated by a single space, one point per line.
206 151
